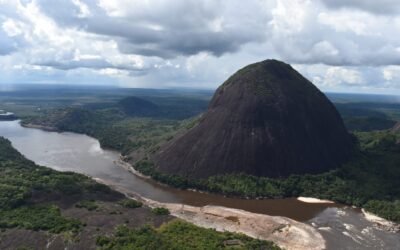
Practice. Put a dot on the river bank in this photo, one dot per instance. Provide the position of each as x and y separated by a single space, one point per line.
286 233
313 200
381 223
41 127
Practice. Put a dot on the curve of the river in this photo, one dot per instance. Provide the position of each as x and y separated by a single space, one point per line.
342 227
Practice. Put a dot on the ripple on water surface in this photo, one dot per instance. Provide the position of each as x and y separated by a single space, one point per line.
347 228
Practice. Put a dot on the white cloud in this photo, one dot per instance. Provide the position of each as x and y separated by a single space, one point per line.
289 16
391 76
12 27
114 72
199 43
338 75
115 8
168 29
83 9
346 21
382 7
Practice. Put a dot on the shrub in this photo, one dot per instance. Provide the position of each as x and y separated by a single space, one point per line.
160 211
130 203
89 205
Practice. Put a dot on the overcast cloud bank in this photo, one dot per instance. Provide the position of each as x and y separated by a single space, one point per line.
339 45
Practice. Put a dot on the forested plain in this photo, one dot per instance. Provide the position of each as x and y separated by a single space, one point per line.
370 180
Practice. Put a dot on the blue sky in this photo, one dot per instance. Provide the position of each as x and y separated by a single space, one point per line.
340 45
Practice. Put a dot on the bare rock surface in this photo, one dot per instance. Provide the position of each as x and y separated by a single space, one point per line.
265 120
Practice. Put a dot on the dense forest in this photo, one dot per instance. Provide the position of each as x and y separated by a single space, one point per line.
368 116
113 128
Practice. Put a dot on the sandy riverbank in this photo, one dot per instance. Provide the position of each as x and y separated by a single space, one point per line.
378 221
313 200
381 222
286 233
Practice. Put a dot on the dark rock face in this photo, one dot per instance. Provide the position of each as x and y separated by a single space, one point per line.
265 120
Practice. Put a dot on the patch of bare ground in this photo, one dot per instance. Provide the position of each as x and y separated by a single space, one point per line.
101 221
285 232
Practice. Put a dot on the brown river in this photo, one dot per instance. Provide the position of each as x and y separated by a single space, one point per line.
342 227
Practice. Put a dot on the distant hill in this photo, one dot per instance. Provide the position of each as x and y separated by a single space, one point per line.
364 124
368 116
167 107
265 120
135 106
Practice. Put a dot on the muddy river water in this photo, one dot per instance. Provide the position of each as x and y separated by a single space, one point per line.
342 227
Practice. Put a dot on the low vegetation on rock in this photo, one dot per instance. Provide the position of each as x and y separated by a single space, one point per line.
90 205
178 234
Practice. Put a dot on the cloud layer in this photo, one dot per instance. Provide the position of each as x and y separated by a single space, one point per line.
339 45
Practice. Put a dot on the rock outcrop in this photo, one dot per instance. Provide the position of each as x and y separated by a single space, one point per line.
265 120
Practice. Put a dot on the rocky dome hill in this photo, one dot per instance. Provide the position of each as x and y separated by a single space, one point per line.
265 120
